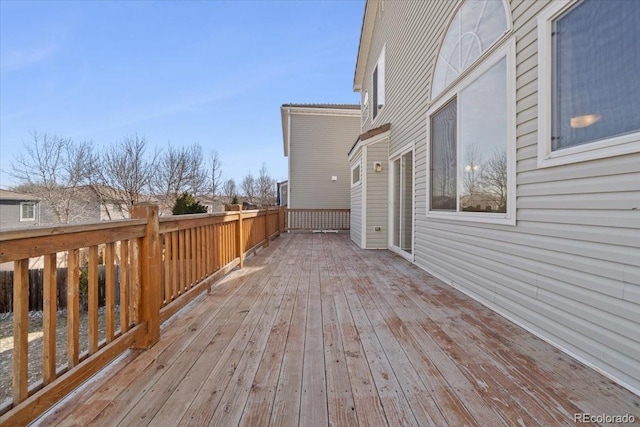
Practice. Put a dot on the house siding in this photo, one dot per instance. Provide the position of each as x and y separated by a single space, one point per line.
569 270
10 215
356 211
318 150
377 197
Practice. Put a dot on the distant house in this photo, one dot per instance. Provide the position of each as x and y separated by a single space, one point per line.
500 151
316 138
18 210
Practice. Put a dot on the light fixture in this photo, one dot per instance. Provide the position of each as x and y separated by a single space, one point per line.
469 168
377 166
334 178
585 120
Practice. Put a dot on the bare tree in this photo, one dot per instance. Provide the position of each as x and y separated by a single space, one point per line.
494 178
179 170
265 186
230 189
471 171
54 169
214 173
125 174
248 187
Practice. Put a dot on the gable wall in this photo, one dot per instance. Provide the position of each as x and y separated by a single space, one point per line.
318 150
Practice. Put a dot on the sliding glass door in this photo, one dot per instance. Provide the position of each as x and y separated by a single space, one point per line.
402 202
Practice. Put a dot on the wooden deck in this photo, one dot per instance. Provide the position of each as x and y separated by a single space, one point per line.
314 331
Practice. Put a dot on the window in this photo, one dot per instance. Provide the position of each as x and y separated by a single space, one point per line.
27 211
355 174
378 84
365 106
588 93
471 134
474 29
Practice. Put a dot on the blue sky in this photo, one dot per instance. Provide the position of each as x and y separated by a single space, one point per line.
207 72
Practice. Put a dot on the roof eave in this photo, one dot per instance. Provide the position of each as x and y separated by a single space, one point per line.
368 21
284 114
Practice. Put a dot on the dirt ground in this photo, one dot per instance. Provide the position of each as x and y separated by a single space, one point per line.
35 345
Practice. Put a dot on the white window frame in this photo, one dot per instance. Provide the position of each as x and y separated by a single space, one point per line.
356 165
410 147
508 51
380 66
607 147
22 217
365 107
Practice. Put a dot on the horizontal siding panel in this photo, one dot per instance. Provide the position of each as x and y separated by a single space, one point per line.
610 168
535 315
601 276
612 313
589 185
631 293
512 239
624 219
597 201
529 153
356 215
580 233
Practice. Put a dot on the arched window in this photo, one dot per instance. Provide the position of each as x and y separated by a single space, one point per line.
471 119
475 28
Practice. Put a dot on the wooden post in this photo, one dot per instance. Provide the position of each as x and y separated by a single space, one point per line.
49 312
266 227
239 237
150 272
73 308
93 300
20 330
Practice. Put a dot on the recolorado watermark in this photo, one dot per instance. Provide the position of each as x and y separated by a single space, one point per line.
603 418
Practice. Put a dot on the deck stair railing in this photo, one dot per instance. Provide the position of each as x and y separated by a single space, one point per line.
153 267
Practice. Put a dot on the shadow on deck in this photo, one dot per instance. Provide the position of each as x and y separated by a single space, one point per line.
314 331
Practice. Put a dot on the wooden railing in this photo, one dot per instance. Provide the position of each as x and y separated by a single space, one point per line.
161 265
318 219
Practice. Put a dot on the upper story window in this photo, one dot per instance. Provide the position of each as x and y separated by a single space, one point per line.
475 28
588 80
378 84
355 174
27 211
365 106
471 125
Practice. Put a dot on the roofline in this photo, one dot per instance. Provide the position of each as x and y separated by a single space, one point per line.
380 130
366 32
325 106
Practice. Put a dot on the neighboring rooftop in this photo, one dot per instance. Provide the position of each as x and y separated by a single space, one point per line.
339 106
12 195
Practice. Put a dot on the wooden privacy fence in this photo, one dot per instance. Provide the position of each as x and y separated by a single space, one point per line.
36 281
163 263
318 219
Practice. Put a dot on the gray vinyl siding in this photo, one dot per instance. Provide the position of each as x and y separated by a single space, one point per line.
10 215
356 212
377 198
569 270
319 145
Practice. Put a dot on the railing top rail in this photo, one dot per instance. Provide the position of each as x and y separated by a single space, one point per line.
60 229
316 210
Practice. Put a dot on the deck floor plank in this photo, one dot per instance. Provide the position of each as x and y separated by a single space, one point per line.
314 407
258 408
314 332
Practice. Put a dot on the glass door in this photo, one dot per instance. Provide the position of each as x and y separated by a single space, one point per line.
402 202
